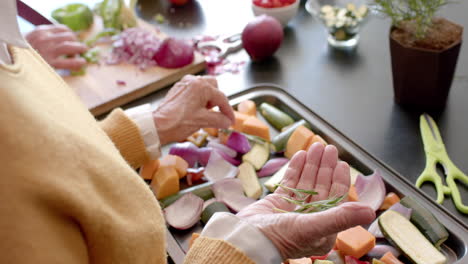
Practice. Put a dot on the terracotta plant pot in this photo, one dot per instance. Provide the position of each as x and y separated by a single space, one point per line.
422 77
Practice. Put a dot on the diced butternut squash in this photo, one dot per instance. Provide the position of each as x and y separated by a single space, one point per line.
148 169
352 194
247 107
300 261
389 200
316 138
211 131
240 119
176 162
254 126
165 182
299 140
355 242
389 258
193 238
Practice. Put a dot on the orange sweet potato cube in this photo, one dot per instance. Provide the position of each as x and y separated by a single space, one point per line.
355 241
316 138
254 126
148 169
247 107
165 182
299 140
176 162
211 131
239 121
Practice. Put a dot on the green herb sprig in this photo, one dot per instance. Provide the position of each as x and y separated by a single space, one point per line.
304 207
420 12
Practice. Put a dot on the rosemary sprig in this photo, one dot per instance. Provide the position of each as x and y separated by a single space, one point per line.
301 193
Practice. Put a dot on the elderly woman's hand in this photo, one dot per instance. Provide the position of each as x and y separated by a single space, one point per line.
187 108
58 46
298 235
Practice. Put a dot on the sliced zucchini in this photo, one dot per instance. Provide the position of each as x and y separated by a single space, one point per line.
249 180
274 116
321 261
258 155
276 178
406 236
211 209
280 140
426 222
203 191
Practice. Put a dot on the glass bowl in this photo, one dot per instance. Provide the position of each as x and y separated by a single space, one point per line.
343 19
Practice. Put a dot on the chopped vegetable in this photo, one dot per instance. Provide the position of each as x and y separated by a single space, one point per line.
352 194
203 191
336 257
204 155
380 250
211 209
353 260
239 120
218 146
229 192
193 238
371 189
275 117
211 131
218 168
254 126
319 261
316 138
300 261
390 258
238 142
281 139
75 16
186 150
165 182
194 175
299 140
228 158
258 155
185 212
247 107
276 179
174 53
198 138
91 55
148 169
390 199
411 242
175 162
108 32
374 227
249 181
121 82
355 241
115 14
426 222
223 136
272 166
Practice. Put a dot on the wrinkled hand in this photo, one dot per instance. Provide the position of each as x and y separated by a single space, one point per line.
187 108
58 46
299 235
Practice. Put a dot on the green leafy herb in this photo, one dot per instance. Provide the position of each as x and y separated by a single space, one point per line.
419 12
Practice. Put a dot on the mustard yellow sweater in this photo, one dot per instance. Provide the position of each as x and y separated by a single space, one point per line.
68 193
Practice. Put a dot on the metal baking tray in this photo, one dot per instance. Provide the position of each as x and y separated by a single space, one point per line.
455 248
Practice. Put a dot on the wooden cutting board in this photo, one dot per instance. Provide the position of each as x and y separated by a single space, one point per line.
99 87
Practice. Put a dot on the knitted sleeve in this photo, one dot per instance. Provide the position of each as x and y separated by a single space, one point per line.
126 137
210 250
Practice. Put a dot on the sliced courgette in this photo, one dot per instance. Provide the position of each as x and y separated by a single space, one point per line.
211 209
274 116
276 178
281 139
322 261
249 180
203 191
258 155
426 222
406 236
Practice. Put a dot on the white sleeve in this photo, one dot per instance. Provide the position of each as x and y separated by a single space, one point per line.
243 236
143 117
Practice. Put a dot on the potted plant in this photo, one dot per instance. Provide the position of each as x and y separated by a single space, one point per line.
424 51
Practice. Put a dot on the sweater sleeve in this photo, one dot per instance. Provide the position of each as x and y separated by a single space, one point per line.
212 250
126 137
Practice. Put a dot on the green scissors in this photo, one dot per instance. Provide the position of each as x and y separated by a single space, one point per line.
436 154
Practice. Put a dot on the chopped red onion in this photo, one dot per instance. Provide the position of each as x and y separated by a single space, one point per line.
216 145
353 260
238 142
379 250
272 166
218 168
231 193
186 150
208 202
185 212
371 189
121 82
204 155
228 158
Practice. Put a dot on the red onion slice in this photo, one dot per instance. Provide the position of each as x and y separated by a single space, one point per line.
371 189
238 142
219 146
272 166
185 212
208 202
204 155
379 250
228 158
186 150
218 168
174 53
230 192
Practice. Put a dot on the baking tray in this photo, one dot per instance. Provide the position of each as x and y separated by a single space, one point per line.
456 246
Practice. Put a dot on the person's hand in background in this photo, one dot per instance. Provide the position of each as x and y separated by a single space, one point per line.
187 108
297 235
58 45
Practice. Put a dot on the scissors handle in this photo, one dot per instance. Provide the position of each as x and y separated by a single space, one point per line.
429 174
453 174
